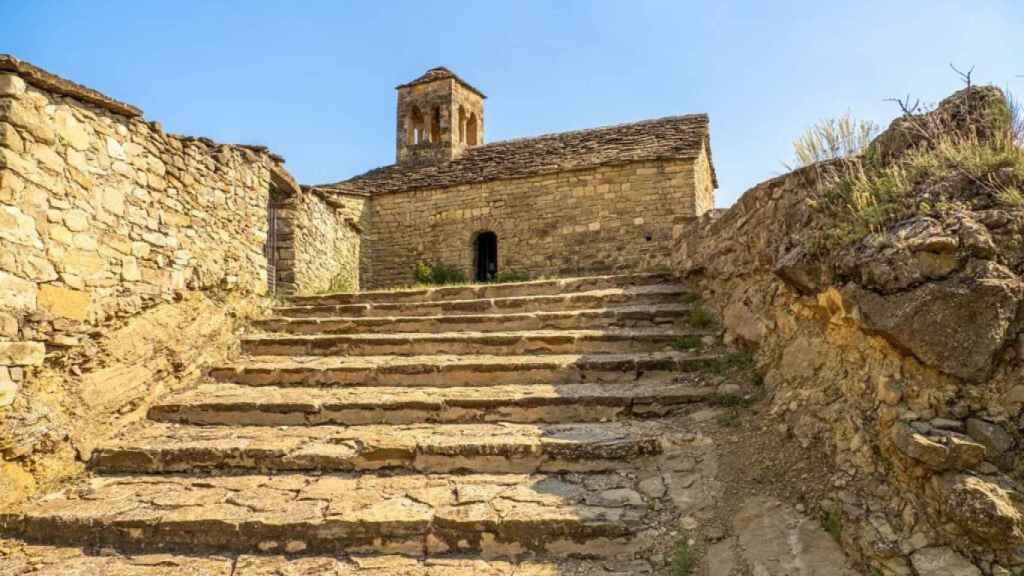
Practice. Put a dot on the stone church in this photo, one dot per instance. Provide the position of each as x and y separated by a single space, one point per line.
527 206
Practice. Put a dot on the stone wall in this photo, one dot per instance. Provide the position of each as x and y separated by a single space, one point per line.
319 241
111 228
606 219
906 367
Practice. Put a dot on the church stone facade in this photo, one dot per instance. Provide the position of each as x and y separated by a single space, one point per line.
584 202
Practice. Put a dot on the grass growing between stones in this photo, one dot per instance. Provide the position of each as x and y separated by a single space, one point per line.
689 298
511 276
689 342
682 558
954 165
864 199
701 318
733 363
832 524
342 283
734 405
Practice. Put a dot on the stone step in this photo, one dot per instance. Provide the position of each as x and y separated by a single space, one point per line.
493 515
491 448
467 370
232 404
486 291
513 343
68 561
632 296
658 315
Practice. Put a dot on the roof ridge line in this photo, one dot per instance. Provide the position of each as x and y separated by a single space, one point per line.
598 128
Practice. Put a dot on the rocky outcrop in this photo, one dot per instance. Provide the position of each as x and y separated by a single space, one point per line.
957 325
901 350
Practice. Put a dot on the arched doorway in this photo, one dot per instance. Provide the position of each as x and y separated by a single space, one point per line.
485 248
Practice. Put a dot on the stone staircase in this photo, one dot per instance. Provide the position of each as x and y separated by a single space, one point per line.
497 430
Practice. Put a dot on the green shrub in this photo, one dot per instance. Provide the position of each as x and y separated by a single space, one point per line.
423 273
439 274
511 276
446 274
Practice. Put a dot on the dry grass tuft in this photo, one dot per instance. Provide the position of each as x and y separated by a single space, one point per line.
949 169
832 139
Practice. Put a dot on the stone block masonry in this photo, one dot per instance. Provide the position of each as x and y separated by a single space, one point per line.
596 220
124 254
593 201
318 241
102 214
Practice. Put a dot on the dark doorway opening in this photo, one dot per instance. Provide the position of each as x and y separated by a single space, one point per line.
486 249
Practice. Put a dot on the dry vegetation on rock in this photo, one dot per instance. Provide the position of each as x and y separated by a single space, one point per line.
882 294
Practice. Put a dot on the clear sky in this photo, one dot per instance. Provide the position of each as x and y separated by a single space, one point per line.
315 80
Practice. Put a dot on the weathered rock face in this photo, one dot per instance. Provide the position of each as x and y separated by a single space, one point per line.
901 351
957 325
980 508
123 253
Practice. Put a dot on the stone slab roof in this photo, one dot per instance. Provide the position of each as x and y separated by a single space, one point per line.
440 73
671 138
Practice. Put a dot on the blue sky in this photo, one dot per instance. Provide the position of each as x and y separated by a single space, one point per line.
314 80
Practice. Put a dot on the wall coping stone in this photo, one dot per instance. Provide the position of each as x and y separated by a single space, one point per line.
49 82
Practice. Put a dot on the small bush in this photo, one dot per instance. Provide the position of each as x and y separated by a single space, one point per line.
423 274
511 276
682 558
439 274
832 139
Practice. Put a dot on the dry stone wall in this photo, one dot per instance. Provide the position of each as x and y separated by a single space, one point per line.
907 369
109 229
606 219
318 241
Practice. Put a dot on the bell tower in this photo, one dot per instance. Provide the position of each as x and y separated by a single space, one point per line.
439 117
